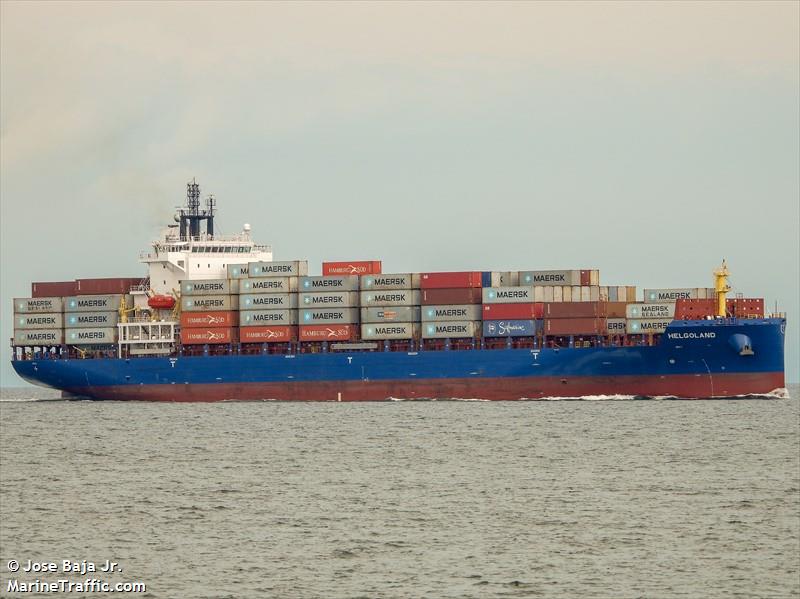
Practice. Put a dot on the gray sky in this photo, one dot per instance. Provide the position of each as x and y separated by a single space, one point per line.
646 140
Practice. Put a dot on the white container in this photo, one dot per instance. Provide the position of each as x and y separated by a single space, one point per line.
93 320
452 313
397 297
616 326
662 310
339 299
550 277
209 287
100 336
96 303
210 303
46 320
459 329
28 305
292 268
388 282
257 318
394 330
671 294
317 284
268 301
390 314
642 327
268 285
329 316
40 337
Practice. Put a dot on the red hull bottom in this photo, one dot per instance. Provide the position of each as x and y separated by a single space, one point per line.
505 389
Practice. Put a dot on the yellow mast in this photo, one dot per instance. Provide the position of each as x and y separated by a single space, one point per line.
722 288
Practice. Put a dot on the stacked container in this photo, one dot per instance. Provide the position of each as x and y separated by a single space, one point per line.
92 319
648 318
38 321
268 300
209 311
329 308
575 318
510 312
390 306
451 304
355 267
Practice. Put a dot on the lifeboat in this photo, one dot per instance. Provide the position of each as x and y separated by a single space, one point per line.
161 302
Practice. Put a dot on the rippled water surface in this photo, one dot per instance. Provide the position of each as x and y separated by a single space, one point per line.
408 499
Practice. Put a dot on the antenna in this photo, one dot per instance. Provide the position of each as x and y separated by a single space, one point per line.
191 216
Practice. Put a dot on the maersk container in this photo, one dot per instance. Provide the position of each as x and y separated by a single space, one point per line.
28 305
268 301
268 285
96 303
391 314
98 336
394 330
268 334
459 329
210 303
435 297
574 326
637 327
357 267
208 336
508 295
451 312
328 332
252 318
671 294
450 280
238 271
513 311
397 297
53 288
616 326
329 316
218 319
509 328
292 268
336 299
76 320
660 310
316 284
40 337
541 278
209 287
53 320
388 282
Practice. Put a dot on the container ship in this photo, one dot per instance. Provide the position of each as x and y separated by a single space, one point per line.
216 318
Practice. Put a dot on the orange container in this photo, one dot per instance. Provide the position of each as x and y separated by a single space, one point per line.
356 267
210 335
279 334
328 332
193 320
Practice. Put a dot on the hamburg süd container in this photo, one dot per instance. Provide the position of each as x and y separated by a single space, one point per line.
388 282
542 278
651 325
219 319
268 334
113 286
338 283
40 337
357 267
507 295
77 320
97 336
451 329
211 303
28 305
438 297
328 316
268 301
575 326
451 312
53 288
53 320
268 285
209 287
208 335
250 318
509 328
96 303
384 331
513 311
450 280
396 297
336 299
616 326
390 314
660 310
328 332
291 268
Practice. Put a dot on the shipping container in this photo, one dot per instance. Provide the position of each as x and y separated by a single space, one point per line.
208 335
574 310
329 316
615 309
238 271
459 329
328 332
541 278
95 336
96 303
53 288
27 305
336 299
77 320
566 292
218 319
450 296
114 286
268 334
641 327
660 310
450 280
359 267
574 326
509 328
292 268
549 294
603 293
389 282
616 326
209 287
210 303
391 314
250 318
269 285
397 297
268 301
39 337
558 293
339 283
513 311
671 295
507 295
630 294
51 320
500 279
613 294
451 312
395 330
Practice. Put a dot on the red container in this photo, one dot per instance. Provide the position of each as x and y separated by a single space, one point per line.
53 289
512 311
695 309
435 297
745 307
357 267
193 320
574 309
210 335
614 309
328 332
450 280
586 277
267 334
106 286
575 326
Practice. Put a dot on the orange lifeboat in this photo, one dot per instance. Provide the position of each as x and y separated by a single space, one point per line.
161 302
